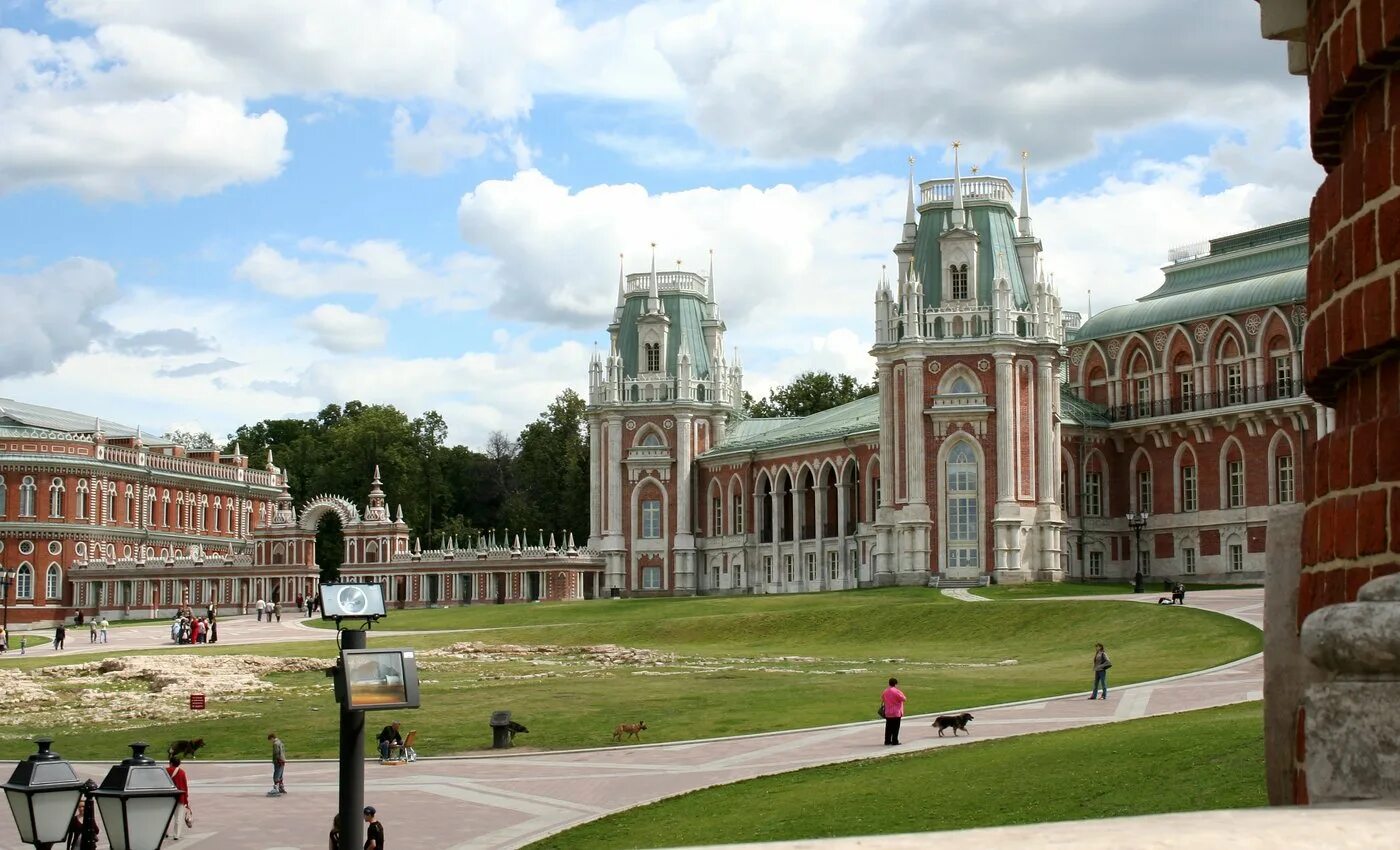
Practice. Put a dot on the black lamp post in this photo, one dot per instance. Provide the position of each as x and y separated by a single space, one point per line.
1136 521
136 799
5 599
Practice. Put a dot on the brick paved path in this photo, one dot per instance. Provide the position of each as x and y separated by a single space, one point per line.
503 801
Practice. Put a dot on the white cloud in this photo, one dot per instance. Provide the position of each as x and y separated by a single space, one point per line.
336 328
381 268
53 314
435 146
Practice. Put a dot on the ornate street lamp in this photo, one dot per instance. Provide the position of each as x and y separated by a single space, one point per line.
137 799
1136 521
43 793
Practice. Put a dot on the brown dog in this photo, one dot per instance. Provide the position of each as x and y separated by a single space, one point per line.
183 747
955 722
629 730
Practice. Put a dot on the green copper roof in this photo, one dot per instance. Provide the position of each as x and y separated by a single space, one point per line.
996 236
685 312
1280 288
858 417
1077 411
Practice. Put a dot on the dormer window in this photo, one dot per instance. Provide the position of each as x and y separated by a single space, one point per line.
653 354
958 275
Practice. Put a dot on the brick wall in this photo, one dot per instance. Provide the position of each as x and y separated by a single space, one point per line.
1351 531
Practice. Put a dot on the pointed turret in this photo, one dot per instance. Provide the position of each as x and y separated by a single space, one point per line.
271 467
1023 224
911 221
653 290
959 217
621 289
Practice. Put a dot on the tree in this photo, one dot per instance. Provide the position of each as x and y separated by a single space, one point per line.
552 469
811 392
198 441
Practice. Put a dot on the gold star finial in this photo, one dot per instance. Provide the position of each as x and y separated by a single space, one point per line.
1025 154
975 169
957 144
911 160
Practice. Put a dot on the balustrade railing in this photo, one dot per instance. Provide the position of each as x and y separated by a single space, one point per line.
1215 400
973 188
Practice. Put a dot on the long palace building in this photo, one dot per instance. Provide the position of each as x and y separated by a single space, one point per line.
1007 441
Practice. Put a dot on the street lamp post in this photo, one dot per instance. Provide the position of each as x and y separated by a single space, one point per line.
5 598
136 800
1136 521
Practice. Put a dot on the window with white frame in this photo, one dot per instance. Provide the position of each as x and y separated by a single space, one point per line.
53 581
651 518
26 496
961 481
1283 477
1283 376
24 582
165 509
1095 564
56 490
1093 487
651 578
1236 558
109 501
958 273
1188 488
717 516
130 514
768 569
1188 560
80 500
833 565
1186 389
1234 477
218 512
1144 482
738 514
738 575
1144 396
1234 383
653 351
810 560
788 568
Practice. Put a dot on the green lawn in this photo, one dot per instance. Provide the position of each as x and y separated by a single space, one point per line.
742 665
1042 589
1210 759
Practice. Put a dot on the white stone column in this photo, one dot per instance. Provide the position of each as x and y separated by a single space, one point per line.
913 431
777 516
614 544
799 506
595 482
1006 467
1049 448
842 500
684 542
819 517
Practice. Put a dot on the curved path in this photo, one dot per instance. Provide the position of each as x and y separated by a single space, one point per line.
504 801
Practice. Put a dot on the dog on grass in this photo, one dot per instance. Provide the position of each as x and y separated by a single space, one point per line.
629 730
956 722
183 748
515 729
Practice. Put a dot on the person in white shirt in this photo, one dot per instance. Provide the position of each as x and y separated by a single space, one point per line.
261 606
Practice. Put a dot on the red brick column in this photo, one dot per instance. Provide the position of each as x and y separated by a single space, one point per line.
1351 531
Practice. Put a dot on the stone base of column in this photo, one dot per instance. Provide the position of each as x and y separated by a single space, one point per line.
685 571
1011 576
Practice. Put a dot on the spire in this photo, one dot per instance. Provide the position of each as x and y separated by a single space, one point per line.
710 281
621 286
959 219
911 221
1023 224
653 293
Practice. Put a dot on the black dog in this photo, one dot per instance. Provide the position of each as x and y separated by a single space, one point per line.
516 728
955 722
182 748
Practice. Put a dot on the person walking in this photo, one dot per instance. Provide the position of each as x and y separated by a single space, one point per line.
279 765
276 610
261 605
1101 665
59 633
213 630
23 643
892 701
92 631
310 606
182 807
374 831
335 832
4 640
102 630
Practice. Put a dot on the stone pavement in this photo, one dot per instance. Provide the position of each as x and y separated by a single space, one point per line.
507 800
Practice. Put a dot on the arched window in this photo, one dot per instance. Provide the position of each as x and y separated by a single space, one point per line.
80 501
960 386
958 276
1232 476
651 440
109 500
26 496
2 497
1142 476
130 515
218 511
56 498
24 582
653 352
165 509
961 478
53 581
1230 358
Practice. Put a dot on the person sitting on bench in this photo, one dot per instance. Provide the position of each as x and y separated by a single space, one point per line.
390 740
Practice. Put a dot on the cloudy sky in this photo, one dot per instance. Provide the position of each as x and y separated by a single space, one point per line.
217 212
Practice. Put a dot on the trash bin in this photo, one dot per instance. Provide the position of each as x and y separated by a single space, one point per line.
500 730
615 592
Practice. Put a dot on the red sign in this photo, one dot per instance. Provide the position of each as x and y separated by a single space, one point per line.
196 702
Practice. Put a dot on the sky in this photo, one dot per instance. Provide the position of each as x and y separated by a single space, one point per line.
215 213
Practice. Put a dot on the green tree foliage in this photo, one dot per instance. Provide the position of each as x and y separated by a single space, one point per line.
193 440
514 486
810 392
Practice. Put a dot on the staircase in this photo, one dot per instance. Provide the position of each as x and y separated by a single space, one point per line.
945 582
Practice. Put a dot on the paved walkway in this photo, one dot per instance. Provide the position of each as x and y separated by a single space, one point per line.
962 594
505 801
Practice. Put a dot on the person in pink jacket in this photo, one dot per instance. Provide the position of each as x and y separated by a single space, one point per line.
892 701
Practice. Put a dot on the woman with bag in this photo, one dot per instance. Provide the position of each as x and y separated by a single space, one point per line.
892 709
183 816
1101 665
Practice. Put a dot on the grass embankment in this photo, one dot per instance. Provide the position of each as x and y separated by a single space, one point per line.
741 665
1209 759
1044 589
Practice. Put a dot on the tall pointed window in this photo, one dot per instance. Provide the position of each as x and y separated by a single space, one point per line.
1234 477
738 515
1188 488
653 352
52 583
56 490
80 501
961 477
24 582
1283 475
651 518
26 496
958 275
1283 376
1144 481
1093 488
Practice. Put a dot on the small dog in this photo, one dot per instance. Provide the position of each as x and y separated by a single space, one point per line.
185 747
952 721
516 728
630 730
